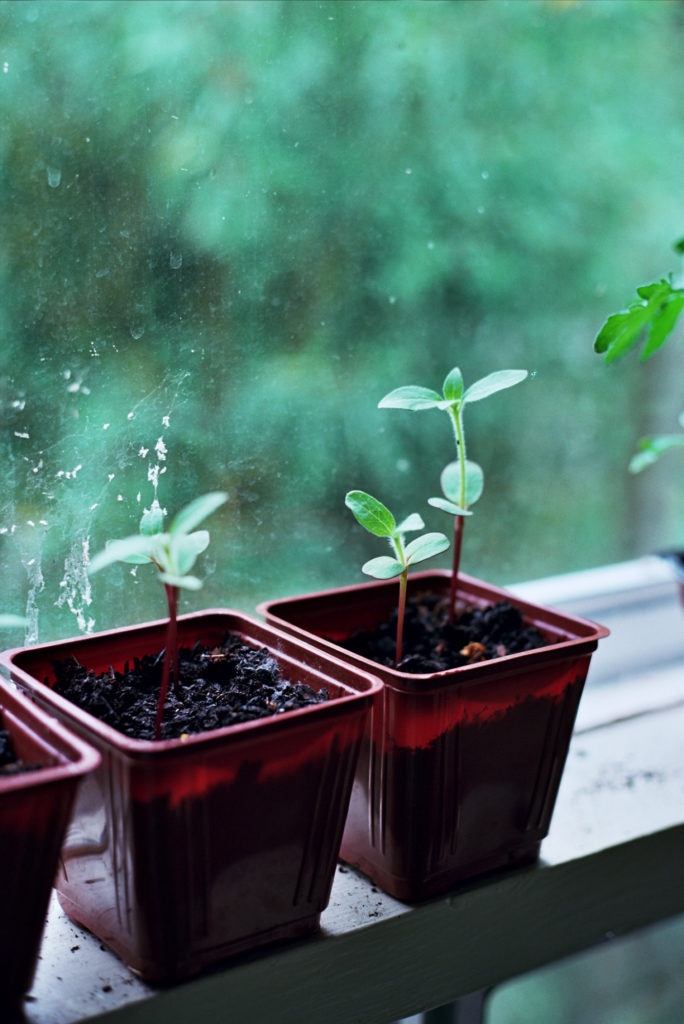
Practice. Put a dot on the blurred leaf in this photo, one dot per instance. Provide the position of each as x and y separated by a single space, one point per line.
184 582
410 397
655 312
651 449
135 549
193 513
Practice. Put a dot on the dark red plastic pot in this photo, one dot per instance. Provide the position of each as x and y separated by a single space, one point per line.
187 851
459 770
34 813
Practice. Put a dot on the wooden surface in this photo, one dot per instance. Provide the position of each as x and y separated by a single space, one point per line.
612 863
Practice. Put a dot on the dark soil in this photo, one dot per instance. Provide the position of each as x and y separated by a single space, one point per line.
218 686
433 644
10 764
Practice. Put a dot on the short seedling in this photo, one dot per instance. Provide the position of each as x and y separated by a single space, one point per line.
652 316
378 520
174 553
462 481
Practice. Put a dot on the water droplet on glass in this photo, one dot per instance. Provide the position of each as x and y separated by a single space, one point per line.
54 177
175 260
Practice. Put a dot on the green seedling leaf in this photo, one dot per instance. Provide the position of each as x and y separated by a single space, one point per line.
493 382
449 506
452 388
427 546
411 523
371 513
382 568
410 397
451 482
193 514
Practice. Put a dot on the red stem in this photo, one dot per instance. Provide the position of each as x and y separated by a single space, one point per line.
170 657
403 581
459 522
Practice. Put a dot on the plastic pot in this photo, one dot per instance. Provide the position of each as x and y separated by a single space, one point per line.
459 770
35 808
188 851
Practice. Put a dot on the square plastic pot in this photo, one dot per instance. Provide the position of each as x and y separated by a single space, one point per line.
459 770
188 851
35 808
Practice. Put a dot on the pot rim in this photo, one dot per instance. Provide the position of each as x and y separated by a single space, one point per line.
325 665
75 756
576 636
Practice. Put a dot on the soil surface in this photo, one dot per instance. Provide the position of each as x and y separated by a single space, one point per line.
10 764
433 644
218 686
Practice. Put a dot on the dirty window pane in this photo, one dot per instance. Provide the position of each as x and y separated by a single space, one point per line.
229 228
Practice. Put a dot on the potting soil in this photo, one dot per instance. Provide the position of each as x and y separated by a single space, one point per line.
218 686
432 644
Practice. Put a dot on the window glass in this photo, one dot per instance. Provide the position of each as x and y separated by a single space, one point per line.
230 228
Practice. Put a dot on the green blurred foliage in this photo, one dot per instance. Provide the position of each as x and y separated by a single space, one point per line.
236 225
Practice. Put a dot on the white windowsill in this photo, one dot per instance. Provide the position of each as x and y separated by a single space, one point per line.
609 864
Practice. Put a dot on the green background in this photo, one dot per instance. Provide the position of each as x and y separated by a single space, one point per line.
235 226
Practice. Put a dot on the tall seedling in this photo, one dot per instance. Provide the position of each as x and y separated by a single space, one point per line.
378 520
173 553
462 481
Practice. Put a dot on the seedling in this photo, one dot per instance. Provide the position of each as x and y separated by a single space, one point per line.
462 481
651 317
174 553
378 520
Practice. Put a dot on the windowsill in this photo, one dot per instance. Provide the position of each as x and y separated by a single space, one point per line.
609 865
